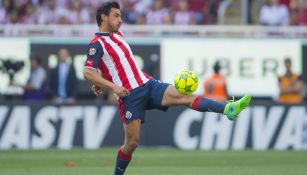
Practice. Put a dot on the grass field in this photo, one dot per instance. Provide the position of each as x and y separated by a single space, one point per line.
153 162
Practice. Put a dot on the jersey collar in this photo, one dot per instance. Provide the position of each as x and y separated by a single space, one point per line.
102 33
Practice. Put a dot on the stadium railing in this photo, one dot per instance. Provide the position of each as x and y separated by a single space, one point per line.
215 31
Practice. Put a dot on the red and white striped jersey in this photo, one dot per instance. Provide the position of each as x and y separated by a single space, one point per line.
112 56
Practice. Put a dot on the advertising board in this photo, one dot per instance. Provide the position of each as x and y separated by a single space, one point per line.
249 65
91 126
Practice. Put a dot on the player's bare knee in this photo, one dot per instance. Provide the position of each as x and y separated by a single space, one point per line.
190 100
133 141
132 145
186 100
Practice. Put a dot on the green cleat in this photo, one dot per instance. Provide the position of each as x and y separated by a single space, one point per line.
233 108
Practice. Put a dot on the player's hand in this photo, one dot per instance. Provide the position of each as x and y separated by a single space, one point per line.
121 91
97 90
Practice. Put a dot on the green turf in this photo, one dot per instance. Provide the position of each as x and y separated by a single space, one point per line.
154 162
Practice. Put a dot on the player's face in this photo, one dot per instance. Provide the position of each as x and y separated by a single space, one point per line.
114 20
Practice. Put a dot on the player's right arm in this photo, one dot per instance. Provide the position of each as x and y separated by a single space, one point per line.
94 55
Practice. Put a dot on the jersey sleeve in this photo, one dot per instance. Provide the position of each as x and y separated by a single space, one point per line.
94 54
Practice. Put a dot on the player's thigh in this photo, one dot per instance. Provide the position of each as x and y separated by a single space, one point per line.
172 97
132 130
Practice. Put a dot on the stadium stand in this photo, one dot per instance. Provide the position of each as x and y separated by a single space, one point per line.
196 11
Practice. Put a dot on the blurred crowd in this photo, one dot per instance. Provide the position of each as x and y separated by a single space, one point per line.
84 11
279 12
155 12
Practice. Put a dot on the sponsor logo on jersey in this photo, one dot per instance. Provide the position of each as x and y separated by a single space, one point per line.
90 62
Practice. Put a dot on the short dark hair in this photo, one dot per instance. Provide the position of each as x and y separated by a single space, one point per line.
217 67
105 9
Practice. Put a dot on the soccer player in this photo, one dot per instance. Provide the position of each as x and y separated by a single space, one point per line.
110 65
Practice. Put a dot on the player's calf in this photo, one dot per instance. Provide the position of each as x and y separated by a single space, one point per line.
122 162
207 105
231 109
132 139
124 155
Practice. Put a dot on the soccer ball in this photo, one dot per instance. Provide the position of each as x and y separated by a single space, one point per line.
186 82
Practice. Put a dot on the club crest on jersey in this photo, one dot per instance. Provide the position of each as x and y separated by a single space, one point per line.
92 51
128 115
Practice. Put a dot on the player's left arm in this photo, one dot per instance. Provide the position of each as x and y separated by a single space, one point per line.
94 53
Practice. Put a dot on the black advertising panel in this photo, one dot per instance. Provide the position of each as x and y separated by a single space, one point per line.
90 126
